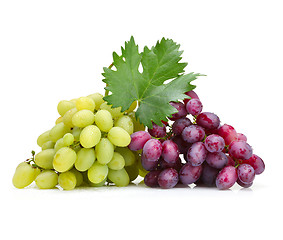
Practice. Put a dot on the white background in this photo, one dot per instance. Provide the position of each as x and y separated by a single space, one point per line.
55 50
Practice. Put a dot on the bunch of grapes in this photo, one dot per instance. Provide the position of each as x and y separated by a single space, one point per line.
87 145
195 149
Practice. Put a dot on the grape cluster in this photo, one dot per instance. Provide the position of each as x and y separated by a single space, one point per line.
87 145
196 148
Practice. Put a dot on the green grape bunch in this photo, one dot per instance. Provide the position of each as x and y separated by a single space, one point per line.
87 146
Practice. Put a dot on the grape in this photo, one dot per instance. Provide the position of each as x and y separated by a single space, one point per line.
126 123
119 177
104 151
217 159
182 145
59 144
179 125
90 136
246 173
85 103
151 178
230 161
241 136
79 176
208 120
168 178
67 118
244 184
43 138
196 154
257 163
208 175
115 112
127 154
97 172
193 133
44 159
47 145
98 184
67 180
189 174
58 131
119 137
152 150
170 152
68 139
138 139
76 133
181 110
226 178
64 106
97 98
64 159
157 131
117 162
83 118
228 133
194 107
47 179
240 150
214 143
148 165
133 171
191 94
103 120
24 175
176 165
85 159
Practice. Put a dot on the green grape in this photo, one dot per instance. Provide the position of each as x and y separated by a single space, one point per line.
44 159
24 175
90 136
115 112
64 106
119 177
59 144
43 138
97 98
128 155
67 180
97 173
47 145
58 131
103 120
68 139
47 179
76 133
83 118
133 171
126 123
117 162
104 151
64 159
67 118
97 184
119 137
79 176
85 103
85 159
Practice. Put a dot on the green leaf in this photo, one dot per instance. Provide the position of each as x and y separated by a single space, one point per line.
160 63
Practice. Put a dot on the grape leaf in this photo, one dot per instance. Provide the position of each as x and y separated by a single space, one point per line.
160 63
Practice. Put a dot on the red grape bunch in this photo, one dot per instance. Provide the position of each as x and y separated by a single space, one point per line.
196 148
